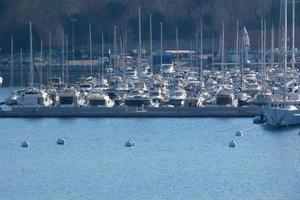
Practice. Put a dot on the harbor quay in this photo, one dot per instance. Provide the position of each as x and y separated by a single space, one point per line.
123 112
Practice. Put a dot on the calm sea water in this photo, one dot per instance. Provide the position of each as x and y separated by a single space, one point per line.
173 159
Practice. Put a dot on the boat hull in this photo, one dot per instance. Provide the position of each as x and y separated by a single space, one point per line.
282 117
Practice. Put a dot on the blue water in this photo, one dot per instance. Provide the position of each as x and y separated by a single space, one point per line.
173 159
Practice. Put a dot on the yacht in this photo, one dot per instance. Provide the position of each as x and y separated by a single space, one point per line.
155 94
243 99
33 97
225 97
137 99
130 74
284 112
194 100
12 100
97 98
177 97
69 97
168 68
280 114
85 87
262 98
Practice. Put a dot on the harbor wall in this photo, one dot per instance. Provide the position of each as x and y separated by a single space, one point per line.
120 112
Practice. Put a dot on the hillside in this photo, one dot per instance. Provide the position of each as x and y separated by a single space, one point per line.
55 15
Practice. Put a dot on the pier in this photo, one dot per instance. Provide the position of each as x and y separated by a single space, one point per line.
125 112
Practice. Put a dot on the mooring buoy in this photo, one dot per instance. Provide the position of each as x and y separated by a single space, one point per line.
61 141
25 144
232 144
238 134
129 143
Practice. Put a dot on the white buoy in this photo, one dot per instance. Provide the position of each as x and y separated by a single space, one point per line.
129 143
238 134
25 144
61 141
232 144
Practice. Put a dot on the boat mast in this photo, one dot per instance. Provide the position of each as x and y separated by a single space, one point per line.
41 67
161 47
265 49
262 53
197 52
285 48
49 57
151 45
115 50
67 59
223 53
73 20
31 57
125 34
237 45
12 62
213 50
140 48
91 50
177 46
62 56
21 68
272 46
293 39
201 51
102 54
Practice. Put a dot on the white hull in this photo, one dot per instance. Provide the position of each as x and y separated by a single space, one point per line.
279 117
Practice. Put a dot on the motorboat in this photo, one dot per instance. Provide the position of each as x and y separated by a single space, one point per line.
69 97
97 98
33 97
225 97
177 98
137 99
243 99
155 94
12 100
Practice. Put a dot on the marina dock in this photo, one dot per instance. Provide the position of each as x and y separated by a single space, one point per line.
124 112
